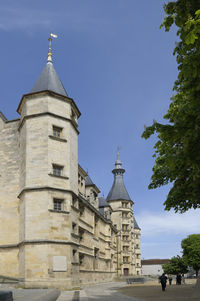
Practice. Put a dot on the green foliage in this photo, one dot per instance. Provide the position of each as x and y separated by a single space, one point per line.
177 151
191 251
177 265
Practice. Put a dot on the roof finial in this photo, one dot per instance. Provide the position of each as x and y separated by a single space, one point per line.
118 149
49 60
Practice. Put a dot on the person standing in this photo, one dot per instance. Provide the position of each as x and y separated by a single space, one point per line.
178 279
170 279
163 281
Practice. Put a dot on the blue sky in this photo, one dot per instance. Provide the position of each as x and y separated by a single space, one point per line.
118 66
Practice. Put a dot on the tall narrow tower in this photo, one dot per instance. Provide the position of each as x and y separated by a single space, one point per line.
48 138
128 242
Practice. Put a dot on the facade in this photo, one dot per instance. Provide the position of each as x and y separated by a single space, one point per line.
55 229
153 267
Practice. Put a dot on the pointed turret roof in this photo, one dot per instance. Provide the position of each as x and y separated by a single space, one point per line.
118 190
48 79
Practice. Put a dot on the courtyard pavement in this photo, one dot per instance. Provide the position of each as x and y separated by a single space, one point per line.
113 291
102 292
32 294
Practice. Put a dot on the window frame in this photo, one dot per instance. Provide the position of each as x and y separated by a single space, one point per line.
58 204
58 168
57 129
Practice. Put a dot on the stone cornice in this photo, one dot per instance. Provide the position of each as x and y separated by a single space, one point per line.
48 114
53 94
29 189
38 241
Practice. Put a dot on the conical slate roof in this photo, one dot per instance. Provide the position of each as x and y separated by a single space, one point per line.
49 80
136 225
118 190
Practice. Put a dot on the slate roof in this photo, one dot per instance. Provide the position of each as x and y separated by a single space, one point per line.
118 190
49 80
136 225
103 203
154 261
88 181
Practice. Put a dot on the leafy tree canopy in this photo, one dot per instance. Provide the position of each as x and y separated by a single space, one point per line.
191 251
177 265
177 151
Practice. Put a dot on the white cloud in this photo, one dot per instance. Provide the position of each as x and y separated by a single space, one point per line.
26 19
165 223
22 18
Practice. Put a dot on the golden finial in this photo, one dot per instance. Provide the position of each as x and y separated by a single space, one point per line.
50 42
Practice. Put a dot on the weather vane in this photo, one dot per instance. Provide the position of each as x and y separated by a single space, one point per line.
118 149
50 41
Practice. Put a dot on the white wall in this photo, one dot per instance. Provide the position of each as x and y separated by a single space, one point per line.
152 269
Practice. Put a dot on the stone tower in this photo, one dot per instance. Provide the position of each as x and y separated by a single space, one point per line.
128 242
48 148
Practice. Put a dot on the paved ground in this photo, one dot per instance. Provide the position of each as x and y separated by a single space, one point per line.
117 291
153 292
106 292
28 294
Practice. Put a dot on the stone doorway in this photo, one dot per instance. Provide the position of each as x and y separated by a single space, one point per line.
126 271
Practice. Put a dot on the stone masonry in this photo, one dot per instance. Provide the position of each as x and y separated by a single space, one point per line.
55 229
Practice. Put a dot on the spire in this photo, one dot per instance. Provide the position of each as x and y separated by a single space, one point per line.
118 190
48 79
49 59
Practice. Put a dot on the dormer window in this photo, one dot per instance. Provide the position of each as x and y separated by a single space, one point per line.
57 131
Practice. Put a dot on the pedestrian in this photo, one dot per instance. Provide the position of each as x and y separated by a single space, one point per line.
163 281
178 279
170 279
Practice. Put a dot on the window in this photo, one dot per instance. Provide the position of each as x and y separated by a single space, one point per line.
74 254
81 258
57 131
57 170
58 204
124 227
81 208
74 227
125 259
96 253
75 202
124 204
81 233
125 237
125 248
124 214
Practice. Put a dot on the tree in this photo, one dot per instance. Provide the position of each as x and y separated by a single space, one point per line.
176 266
191 251
177 151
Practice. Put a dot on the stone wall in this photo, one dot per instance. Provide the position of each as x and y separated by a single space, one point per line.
9 183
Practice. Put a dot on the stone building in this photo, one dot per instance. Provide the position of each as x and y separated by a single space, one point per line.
55 229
